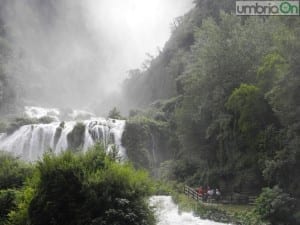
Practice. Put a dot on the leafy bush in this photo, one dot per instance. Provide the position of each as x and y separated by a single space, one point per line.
115 114
88 188
212 213
13 172
276 206
13 175
19 215
7 203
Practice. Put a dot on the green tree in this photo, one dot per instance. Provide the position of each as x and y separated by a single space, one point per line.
250 109
86 188
114 114
13 172
7 204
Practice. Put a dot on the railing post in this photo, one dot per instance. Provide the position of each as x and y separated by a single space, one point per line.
191 193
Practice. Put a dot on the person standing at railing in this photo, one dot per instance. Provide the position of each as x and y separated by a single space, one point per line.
210 192
200 191
218 194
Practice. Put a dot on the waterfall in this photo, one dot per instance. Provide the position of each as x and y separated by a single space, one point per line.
30 142
167 213
153 149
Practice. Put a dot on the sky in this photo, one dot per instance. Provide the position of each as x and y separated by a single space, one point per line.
139 26
136 27
73 52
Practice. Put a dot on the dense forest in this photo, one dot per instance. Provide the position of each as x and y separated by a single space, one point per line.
220 104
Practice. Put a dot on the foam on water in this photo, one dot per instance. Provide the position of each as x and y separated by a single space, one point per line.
167 213
30 142
39 112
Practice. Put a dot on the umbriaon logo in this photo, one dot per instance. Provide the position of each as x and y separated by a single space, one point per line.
267 8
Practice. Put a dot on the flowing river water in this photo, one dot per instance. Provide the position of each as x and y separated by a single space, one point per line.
167 213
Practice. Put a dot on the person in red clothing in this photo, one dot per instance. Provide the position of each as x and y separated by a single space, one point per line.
200 191
204 194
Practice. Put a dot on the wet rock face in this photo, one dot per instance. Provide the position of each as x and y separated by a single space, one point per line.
1 92
58 133
76 137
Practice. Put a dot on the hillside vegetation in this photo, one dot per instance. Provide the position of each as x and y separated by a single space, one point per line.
220 105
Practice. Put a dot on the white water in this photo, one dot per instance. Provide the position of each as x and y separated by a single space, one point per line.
56 114
31 141
167 213
39 112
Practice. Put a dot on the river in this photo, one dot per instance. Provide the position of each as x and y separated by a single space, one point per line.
167 213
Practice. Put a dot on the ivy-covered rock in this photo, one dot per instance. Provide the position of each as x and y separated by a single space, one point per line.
145 140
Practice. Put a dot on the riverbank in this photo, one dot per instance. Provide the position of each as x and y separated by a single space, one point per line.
233 214
223 213
167 213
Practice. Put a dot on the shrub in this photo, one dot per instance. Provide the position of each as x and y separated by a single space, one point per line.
276 206
7 203
114 114
13 172
81 189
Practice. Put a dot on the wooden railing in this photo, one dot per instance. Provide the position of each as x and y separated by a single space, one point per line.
192 193
225 199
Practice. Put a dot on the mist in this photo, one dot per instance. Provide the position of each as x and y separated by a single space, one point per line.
70 53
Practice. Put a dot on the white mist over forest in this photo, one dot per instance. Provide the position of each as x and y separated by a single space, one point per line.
77 53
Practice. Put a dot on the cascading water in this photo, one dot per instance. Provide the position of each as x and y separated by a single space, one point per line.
153 148
30 142
167 213
39 112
